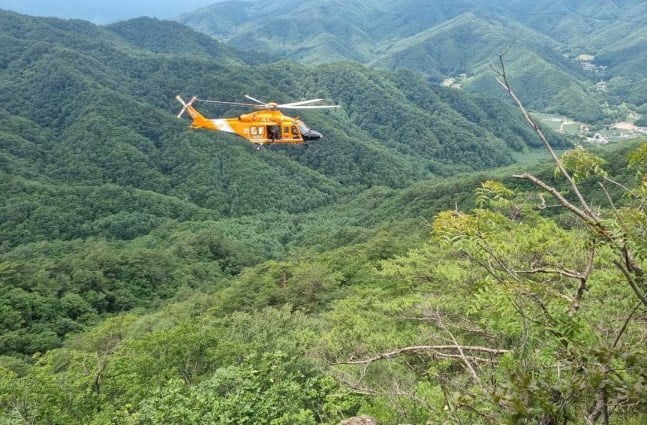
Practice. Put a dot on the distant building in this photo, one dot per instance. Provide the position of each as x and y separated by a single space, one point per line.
598 138
586 58
451 82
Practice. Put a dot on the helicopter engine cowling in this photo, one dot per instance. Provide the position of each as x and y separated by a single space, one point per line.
247 117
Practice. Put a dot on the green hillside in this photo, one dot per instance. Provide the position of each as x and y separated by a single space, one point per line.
465 45
447 39
94 163
264 314
89 80
571 21
621 48
165 37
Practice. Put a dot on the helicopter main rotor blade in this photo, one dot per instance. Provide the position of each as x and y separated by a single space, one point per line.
312 107
226 103
255 100
303 102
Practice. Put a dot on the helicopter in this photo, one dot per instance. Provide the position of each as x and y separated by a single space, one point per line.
265 126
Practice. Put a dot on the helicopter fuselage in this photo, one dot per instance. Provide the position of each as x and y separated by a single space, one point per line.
260 127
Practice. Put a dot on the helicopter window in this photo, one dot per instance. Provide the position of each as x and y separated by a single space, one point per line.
304 129
295 132
254 131
286 130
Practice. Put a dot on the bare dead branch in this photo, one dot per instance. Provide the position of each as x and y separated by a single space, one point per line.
606 192
464 358
496 258
458 356
502 79
486 266
600 408
633 272
418 349
631 269
575 305
631 263
620 185
359 388
642 297
563 272
563 201
625 324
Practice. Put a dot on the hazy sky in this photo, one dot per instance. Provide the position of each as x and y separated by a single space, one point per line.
104 11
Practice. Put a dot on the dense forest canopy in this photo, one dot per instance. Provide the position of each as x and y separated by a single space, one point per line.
423 263
94 161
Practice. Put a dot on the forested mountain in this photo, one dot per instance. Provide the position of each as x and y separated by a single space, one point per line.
91 149
69 80
102 12
465 46
443 39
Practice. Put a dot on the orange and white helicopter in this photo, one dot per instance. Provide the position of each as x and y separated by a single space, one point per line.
265 126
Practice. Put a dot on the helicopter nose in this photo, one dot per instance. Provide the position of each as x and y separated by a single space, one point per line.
314 135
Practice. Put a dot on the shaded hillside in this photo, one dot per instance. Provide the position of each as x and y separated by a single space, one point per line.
571 21
446 39
111 204
622 48
104 102
311 31
465 46
166 37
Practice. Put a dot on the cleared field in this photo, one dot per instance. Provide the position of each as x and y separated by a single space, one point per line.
559 123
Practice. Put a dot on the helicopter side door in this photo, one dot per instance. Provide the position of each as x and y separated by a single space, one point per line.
274 132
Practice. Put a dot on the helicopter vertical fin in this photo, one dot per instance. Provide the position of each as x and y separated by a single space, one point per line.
198 120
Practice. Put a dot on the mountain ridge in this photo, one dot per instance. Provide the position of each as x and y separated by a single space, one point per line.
384 36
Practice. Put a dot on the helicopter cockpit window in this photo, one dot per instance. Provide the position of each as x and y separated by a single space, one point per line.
304 129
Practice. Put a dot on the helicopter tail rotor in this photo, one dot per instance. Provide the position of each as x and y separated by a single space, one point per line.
185 105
